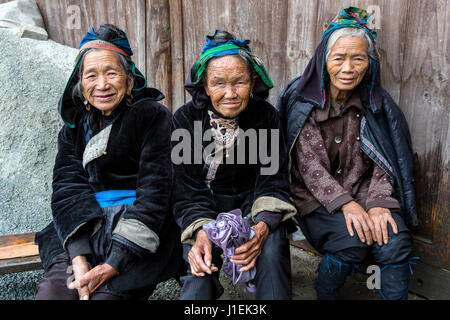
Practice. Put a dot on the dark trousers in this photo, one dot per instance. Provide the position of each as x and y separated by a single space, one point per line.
273 272
328 234
53 285
139 277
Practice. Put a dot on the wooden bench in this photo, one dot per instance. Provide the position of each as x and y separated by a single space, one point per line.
18 253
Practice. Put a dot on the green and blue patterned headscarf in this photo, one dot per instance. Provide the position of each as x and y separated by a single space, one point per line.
214 49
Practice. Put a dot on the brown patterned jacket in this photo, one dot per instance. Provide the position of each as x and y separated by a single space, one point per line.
330 169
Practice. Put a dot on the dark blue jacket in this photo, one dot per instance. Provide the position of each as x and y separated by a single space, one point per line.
385 138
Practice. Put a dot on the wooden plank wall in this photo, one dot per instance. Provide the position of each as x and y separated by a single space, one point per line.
167 37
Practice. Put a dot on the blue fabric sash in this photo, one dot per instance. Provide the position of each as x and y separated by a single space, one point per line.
113 198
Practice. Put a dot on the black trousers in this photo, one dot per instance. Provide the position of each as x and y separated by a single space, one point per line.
54 284
273 272
138 279
328 234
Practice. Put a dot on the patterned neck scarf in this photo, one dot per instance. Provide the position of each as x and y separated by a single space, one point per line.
225 130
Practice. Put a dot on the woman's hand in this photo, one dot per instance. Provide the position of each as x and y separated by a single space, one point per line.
200 256
94 279
80 268
381 217
248 253
356 215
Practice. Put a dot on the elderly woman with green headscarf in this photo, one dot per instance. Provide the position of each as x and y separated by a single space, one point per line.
233 163
112 181
352 162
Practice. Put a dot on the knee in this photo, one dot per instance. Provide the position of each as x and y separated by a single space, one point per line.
207 287
55 289
45 290
275 247
352 255
397 250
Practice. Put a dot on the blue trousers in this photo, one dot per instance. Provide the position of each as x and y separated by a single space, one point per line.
273 272
328 234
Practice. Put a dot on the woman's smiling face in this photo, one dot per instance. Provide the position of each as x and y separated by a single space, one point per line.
347 63
104 80
229 85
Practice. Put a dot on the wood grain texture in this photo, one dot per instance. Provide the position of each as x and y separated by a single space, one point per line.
19 251
177 54
158 38
425 100
8 266
17 246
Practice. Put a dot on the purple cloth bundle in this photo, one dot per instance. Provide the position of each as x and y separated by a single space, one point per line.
229 231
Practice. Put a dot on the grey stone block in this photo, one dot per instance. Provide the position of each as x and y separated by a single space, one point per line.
24 16
33 32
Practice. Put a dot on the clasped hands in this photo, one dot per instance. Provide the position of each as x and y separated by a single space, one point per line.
88 280
370 226
200 255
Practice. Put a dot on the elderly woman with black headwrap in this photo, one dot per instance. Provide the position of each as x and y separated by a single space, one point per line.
352 162
112 181
228 125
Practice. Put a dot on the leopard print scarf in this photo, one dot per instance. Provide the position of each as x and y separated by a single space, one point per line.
225 131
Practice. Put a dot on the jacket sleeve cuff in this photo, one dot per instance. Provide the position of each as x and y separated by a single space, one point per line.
138 233
271 219
273 205
119 257
338 202
79 246
391 204
189 234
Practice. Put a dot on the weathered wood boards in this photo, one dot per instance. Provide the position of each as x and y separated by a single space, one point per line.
18 253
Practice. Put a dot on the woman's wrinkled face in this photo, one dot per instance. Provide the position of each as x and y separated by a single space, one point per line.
347 63
229 85
104 80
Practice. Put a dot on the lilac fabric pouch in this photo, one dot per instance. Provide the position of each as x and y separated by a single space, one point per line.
229 231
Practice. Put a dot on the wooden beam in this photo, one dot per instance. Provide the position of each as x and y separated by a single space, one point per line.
177 54
18 253
8 266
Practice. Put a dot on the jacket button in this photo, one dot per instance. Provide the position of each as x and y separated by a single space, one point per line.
338 139
357 115
357 139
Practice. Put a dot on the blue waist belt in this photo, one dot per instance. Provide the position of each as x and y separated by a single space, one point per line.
113 198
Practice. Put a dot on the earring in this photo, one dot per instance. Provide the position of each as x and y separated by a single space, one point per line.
87 105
